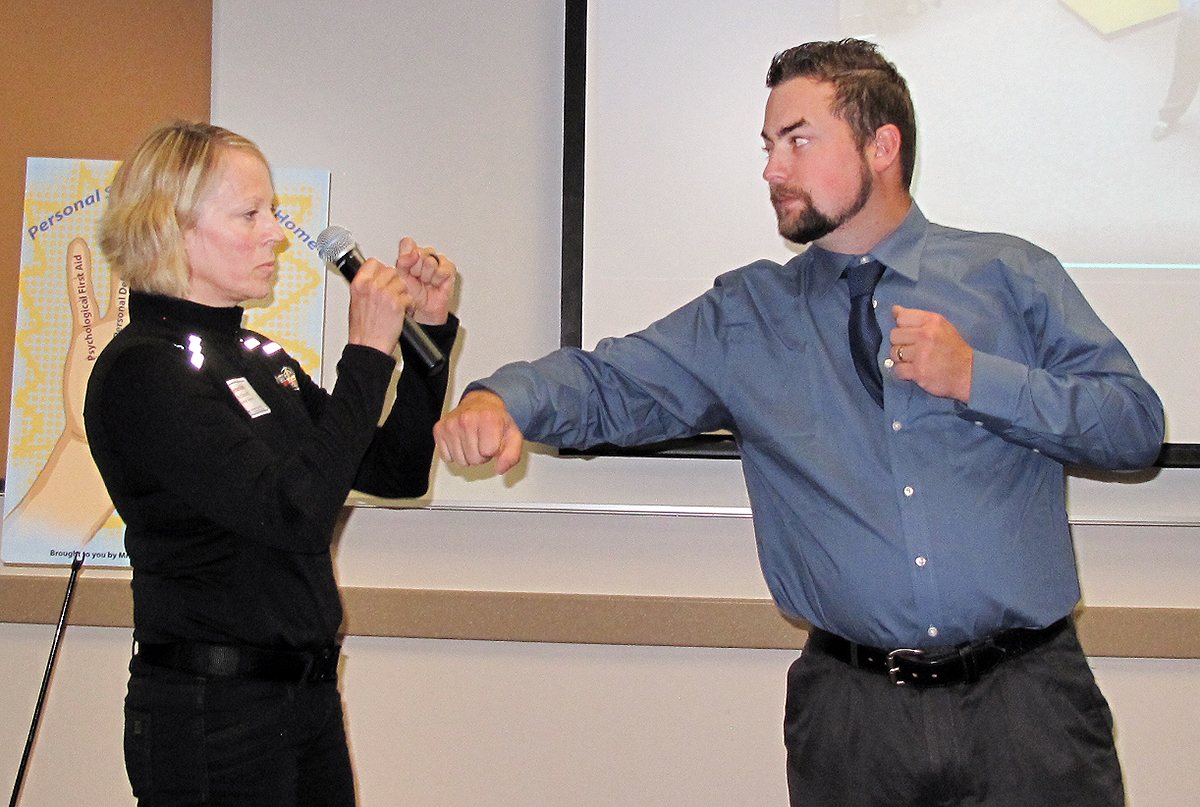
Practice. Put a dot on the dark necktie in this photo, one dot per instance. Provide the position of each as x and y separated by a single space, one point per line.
865 335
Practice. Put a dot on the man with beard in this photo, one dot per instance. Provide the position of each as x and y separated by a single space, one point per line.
908 493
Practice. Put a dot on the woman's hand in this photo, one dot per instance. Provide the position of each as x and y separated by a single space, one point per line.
430 279
379 300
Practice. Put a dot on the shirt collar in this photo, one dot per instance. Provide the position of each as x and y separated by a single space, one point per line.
900 251
145 306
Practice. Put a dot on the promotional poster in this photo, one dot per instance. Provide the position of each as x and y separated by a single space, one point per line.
69 307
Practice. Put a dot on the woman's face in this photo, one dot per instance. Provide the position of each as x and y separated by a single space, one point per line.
232 248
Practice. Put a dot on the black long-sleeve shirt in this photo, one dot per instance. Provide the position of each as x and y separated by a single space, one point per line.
229 466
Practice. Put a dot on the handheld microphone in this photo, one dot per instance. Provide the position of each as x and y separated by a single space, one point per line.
336 247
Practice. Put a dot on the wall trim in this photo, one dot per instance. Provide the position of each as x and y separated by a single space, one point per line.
617 619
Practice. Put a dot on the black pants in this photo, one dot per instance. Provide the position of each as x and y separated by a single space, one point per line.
1034 732
191 740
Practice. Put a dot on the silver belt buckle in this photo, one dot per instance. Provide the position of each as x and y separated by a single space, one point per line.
893 665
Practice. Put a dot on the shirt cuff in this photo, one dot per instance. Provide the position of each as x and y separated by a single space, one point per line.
509 391
997 386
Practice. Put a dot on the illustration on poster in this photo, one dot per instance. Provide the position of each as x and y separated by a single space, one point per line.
86 306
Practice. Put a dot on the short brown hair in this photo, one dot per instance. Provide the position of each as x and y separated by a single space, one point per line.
154 199
869 91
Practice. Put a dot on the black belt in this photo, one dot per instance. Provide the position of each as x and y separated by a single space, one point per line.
965 663
241 661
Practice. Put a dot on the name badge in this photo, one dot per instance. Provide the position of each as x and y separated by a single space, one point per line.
248 398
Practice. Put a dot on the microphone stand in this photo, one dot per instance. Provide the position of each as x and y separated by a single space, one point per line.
37 711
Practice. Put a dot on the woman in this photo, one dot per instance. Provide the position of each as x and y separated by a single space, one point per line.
229 466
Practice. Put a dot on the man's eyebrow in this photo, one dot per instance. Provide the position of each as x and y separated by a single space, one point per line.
786 130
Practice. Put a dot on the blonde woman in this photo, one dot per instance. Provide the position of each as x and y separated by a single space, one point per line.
229 466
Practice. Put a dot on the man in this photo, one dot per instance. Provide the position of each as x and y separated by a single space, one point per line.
1185 72
908 503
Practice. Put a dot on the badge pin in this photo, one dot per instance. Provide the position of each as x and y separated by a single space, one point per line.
287 378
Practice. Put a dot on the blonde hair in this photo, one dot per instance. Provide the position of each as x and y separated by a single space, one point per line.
155 197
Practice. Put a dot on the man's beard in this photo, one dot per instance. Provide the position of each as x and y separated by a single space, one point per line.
811 224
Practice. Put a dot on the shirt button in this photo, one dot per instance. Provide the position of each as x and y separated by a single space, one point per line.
921 561
908 491
874 303
897 425
888 363
933 632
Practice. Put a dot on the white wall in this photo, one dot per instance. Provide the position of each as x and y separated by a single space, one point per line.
471 131
508 724
513 725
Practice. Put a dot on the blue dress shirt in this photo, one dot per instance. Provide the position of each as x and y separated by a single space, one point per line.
922 524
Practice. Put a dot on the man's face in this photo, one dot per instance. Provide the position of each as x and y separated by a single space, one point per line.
819 178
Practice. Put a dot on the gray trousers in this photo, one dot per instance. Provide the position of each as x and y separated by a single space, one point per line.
1033 732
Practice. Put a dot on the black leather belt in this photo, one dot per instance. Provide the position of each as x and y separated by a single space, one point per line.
965 663
240 661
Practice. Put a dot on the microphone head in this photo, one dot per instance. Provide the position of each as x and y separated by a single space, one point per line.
333 243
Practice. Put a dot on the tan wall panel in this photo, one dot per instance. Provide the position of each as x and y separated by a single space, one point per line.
86 78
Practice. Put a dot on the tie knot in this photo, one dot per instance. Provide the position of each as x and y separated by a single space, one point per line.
863 277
